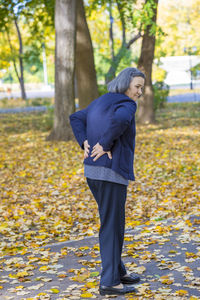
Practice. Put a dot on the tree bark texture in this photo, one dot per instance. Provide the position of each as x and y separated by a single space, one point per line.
86 80
65 26
146 113
21 77
112 43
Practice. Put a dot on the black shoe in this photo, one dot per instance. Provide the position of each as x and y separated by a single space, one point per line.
109 290
132 278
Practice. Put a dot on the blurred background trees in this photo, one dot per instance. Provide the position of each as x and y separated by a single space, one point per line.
25 27
109 36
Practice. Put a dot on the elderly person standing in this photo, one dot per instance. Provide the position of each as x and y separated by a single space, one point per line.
106 132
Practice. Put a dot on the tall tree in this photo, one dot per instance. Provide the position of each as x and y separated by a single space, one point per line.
10 12
134 18
20 75
65 26
86 80
146 111
123 7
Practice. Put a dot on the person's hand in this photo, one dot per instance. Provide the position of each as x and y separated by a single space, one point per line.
86 149
97 151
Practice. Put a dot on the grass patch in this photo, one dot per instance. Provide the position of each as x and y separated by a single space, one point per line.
179 114
18 102
23 122
183 91
173 114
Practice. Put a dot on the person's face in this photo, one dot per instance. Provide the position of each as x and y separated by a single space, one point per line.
136 87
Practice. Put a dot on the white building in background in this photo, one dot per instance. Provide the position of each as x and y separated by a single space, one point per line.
178 69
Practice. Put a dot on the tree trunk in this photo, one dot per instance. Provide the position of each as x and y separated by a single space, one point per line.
21 77
87 89
65 26
146 113
112 43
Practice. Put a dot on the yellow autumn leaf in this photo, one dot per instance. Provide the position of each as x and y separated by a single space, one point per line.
86 295
84 248
62 275
22 274
43 268
3 225
55 291
94 274
12 275
167 281
91 284
80 278
190 254
182 292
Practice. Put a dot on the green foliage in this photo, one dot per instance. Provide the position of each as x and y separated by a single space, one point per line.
36 23
196 71
179 20
130 17
158 73
126 60
4 102
48 118
161 92
40 102
102 89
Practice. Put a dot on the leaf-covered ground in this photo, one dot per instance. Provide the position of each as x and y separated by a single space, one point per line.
44 196
165 254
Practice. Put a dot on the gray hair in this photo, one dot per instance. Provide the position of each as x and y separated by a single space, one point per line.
121 83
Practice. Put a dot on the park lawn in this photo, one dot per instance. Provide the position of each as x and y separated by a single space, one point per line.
174 92
19 102
44 196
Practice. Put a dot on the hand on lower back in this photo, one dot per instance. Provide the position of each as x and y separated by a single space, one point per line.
86 149
97 151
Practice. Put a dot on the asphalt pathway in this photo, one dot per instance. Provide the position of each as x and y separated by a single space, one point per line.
188 97
165 253
31 94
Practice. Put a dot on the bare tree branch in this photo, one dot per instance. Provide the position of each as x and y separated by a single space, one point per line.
135 38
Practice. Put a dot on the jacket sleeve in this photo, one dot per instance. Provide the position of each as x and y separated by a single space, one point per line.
123 113
78 122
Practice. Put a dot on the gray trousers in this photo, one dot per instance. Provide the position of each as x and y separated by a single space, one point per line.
110 198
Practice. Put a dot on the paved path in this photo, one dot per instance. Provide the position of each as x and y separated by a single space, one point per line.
23 109
166 254
30 94
187 97
193 97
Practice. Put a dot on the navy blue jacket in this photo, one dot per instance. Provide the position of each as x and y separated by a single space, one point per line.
109 120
